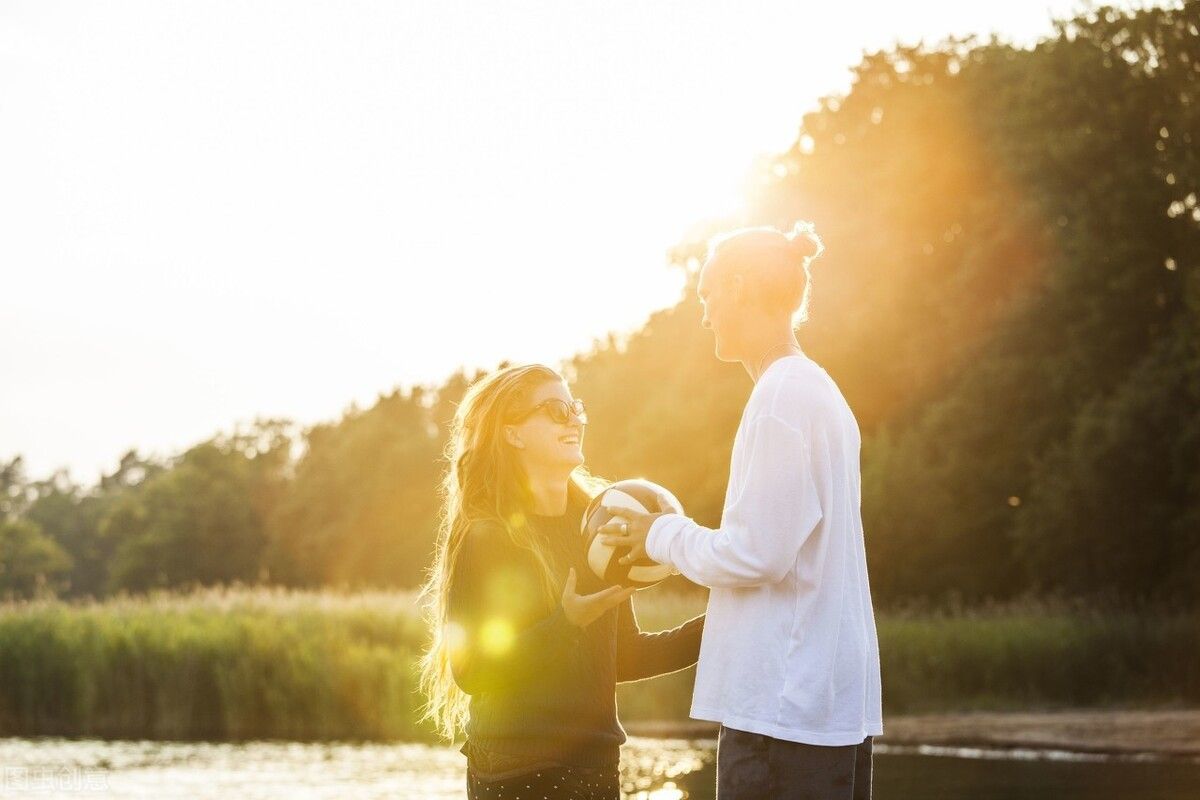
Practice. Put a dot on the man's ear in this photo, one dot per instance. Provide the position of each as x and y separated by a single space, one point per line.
510 436
737 286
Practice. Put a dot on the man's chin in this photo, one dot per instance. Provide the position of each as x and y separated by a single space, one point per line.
721 356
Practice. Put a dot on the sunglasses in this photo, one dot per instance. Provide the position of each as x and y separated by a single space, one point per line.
558 410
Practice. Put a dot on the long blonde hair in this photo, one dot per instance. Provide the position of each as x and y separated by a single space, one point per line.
484 480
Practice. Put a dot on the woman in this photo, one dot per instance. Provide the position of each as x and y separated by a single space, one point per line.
527 645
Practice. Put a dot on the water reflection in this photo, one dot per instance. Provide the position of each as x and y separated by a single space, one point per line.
651 769
57 767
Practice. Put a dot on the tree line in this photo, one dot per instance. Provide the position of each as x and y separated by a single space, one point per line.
1010 300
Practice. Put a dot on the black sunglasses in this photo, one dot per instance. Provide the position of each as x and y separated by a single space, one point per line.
558 410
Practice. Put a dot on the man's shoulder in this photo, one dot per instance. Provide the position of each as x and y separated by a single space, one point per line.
804 397
794 388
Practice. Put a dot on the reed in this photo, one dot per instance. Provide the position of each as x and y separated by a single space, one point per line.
247 663
215 664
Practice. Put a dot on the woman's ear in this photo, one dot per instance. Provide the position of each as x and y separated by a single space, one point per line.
510 436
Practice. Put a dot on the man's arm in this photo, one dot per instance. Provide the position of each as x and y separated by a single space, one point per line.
763 529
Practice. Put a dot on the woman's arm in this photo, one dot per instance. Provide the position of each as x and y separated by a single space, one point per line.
643 655
500 630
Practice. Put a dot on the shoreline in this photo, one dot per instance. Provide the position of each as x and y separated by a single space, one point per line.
1173 733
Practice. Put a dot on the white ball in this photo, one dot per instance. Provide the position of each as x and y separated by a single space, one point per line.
636 494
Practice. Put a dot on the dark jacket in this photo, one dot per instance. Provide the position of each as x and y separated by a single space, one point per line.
543 691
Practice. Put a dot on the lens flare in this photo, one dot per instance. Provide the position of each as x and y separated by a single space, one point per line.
496 636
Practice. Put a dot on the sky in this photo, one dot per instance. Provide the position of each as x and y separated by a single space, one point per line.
217 211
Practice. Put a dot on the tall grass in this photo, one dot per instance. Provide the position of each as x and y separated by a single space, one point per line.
222 664
1039 656
269 663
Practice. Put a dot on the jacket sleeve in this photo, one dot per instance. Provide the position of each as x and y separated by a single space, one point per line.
643 655
762 529
499 629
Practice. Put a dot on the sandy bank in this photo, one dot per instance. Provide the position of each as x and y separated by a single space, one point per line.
1174 733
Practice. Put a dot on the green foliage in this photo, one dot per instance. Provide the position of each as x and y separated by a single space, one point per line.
218 664
204 519
1010 301
74 516
240 664
1013 243
1038 657
362 506
30 561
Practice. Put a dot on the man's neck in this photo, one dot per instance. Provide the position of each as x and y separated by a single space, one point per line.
771 350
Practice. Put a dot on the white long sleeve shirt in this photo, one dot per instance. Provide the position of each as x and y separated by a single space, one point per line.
789 647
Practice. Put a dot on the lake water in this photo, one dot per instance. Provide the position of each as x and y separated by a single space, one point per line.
652 769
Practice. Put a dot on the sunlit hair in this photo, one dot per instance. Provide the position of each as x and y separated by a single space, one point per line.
776 266
484 481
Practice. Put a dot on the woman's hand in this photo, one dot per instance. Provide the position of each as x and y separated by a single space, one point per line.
583 609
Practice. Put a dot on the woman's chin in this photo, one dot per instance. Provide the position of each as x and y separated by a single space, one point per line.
564 460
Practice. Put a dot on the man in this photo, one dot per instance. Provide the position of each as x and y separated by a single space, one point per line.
789 663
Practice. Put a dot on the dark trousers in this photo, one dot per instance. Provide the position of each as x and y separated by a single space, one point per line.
751 766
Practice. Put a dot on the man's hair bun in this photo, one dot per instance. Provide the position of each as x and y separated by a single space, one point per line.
804 241
774 264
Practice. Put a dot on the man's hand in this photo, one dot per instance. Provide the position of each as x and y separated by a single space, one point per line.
584 609
629 529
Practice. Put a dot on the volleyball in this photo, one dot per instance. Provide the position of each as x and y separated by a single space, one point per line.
635 494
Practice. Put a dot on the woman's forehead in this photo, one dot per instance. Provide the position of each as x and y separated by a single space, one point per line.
548 390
